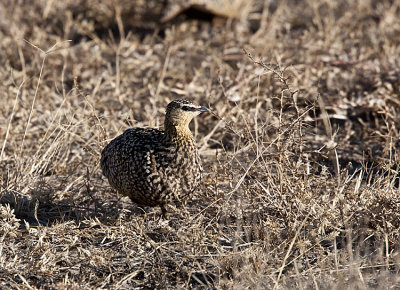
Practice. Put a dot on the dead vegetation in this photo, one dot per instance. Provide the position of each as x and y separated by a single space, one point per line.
301 188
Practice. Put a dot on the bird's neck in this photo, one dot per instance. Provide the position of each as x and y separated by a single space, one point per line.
179 135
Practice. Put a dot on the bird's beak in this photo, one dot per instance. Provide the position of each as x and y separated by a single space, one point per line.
203 109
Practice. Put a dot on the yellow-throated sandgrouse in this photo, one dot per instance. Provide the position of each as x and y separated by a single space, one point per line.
152 166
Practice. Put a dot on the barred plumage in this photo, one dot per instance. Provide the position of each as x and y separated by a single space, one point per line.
152 166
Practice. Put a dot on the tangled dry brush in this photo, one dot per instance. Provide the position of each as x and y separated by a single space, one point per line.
301 153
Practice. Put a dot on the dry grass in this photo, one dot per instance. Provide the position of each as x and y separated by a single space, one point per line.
301 152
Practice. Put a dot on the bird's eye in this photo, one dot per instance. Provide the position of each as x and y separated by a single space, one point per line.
188 108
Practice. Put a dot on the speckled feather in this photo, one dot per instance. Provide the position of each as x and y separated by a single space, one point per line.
152 166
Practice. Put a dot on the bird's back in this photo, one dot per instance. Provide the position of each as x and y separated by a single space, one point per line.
149 169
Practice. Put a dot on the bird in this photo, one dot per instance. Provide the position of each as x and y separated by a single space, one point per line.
154 167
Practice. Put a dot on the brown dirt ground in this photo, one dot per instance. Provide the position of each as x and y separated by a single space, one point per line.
301 151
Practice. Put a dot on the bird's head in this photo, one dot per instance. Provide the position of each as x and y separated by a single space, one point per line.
181 112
